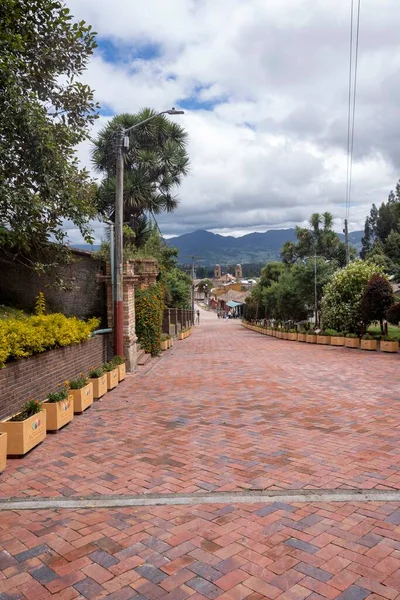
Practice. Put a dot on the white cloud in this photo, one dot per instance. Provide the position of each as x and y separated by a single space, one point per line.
272 148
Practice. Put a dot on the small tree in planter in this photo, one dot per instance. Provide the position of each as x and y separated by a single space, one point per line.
368 342
352 340
111 372
311 337
98 379
26 429
164 343
59 408
82 392
336 338
389 344
323 337
120 363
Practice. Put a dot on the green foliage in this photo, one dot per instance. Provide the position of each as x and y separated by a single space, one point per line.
353 336
389 338
45 111
178 288
393 314
368 336
155 164
149 306
378 297
22 337
30 408
118 360
319 238
108 367
58 396
78 383
40 305
331 332
343 295
96 373
205 286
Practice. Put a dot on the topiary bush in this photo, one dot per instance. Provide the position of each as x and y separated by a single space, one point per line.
393 314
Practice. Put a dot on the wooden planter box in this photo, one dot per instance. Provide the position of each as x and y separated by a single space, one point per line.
352 342
112 379
269 331
99 386
22 436
164 345
301 337
59 414
369 345
3 451
292 337
83 398
285 335
337 340
121 372
180 336
323 339
311 339
389 346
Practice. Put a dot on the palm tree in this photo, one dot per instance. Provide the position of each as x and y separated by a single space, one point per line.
154 166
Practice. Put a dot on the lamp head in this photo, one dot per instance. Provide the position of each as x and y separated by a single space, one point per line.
173 111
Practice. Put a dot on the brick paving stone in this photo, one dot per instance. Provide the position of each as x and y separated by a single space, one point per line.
289 431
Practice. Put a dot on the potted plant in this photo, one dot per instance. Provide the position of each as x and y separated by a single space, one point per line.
352 340
112 375
98 379
285 334
302 336
3 451
292 335
59 407
368 342
389 344
182 334
170 341
120 362
323 337
311 337
337 338
26 429
164 343
82 392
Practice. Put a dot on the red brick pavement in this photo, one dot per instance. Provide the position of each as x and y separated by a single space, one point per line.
277 551
229 409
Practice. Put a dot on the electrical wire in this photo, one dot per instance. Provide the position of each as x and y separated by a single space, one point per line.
353 71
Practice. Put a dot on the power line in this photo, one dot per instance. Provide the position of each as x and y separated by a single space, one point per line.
351 113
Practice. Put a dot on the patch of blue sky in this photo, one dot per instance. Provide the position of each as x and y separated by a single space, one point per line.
196 102
113 51
106 111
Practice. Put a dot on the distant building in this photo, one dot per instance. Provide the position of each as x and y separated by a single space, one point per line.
217 272
238 272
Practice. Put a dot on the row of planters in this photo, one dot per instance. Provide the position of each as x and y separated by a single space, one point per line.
182 335
330 337
166 342
26 429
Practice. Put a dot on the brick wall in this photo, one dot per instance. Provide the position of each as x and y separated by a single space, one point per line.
19 286
36 376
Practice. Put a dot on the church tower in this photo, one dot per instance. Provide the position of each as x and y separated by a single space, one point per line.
217 272
238 272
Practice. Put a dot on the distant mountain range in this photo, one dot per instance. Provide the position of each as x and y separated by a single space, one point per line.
211 248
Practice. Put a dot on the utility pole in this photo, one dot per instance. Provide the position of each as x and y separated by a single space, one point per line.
193 257
118 249
315 291
346 241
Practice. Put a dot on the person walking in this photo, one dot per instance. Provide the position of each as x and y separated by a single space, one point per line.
198 317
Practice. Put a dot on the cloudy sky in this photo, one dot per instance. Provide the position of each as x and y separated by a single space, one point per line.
264 86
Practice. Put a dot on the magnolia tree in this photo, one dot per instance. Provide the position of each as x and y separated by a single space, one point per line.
343 297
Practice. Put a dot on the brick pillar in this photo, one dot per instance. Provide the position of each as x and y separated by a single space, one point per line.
130 280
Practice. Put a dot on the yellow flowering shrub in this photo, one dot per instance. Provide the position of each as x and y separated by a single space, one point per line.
25 336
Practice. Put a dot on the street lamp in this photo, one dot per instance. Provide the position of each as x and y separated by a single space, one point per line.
123 142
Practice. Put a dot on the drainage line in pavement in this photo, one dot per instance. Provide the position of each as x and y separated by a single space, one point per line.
245 497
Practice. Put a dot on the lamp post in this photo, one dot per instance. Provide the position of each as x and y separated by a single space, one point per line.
123 142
